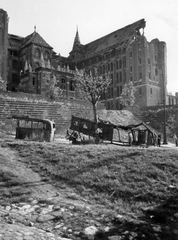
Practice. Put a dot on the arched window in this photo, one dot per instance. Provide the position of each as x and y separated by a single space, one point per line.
63 83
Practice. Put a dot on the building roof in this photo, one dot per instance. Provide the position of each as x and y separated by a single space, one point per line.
14 41
121 36
35 38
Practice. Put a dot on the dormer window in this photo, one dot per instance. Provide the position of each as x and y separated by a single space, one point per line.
37 53
46 56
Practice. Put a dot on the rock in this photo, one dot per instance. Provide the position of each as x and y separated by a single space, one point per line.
90 232
47 209
119 219
175 231
8 208
45 218
106 229
157 228
57 214
61 238
115 237
59 226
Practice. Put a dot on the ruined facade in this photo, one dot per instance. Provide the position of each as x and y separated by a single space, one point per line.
125 54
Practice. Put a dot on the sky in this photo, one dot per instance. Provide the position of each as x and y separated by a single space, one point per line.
57 20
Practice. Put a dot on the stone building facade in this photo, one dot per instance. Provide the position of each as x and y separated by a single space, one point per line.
125 54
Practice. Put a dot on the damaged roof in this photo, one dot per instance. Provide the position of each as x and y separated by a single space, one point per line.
14 41
118 38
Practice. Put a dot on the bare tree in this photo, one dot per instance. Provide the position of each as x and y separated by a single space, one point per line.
91 86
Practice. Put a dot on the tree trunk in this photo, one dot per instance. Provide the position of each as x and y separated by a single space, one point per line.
95 113
96 123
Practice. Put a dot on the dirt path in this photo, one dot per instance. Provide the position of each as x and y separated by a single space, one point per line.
39 187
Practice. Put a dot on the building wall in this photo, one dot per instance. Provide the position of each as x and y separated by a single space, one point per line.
3 43
142 62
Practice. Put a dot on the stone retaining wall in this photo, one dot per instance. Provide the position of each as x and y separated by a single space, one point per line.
60 112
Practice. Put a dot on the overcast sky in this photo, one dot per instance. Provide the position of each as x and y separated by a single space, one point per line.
56 21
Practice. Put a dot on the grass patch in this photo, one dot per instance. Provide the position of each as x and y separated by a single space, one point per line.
122 179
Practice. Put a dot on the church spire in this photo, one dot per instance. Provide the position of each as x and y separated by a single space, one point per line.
76 40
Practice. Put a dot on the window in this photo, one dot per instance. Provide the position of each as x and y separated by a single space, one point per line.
37 65
149 75
156 71
140 91
15 78
109 93
15 53
151 91
111 66
108 105
15 64
130 54
118 91
108 66
46 56
124 61
131 79
111 78
112 105
140 75
103 68
33 82
117 77
117 66
130 68
71 85
112 92
120 77
120 63
100 69
140 60
37 53
148 60
63 83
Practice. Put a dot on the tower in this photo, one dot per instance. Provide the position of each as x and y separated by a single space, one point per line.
77 51
3 44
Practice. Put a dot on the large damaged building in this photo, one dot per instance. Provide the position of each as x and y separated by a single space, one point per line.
125 54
